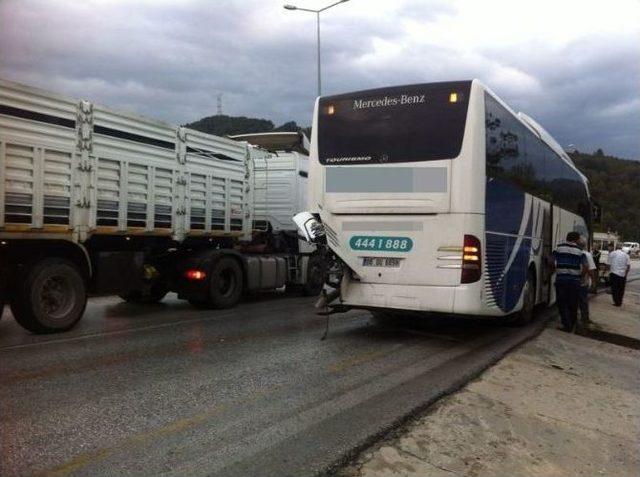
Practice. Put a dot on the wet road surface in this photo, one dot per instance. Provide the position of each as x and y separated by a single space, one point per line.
169 389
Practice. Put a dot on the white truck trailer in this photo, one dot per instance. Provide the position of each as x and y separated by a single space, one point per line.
96 201
281 175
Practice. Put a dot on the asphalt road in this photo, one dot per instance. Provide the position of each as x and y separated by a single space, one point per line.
168 389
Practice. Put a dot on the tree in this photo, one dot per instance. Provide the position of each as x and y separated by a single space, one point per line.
222 125
290 126
614 185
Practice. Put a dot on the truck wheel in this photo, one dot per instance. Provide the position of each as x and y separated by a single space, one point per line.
50 297
314 281
525 315
225 287
146 297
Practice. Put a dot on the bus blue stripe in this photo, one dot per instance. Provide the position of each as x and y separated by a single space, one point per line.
504 214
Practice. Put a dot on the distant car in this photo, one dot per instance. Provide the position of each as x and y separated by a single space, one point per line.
631 248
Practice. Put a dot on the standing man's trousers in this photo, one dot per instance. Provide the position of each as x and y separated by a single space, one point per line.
567 301
617 288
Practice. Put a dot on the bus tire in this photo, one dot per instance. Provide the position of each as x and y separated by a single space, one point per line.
314 281
226 283
525 315
50 296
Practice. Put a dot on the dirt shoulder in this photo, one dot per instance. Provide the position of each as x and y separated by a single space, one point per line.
561 405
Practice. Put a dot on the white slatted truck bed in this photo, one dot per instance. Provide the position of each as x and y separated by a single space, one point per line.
98 201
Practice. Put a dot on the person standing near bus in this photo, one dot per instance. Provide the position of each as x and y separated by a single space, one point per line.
586 283
619 266
570 265
596 253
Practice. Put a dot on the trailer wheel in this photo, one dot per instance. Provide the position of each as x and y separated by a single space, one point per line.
225 287
51 296
314 281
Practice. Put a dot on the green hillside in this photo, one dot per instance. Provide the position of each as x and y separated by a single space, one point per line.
222 125
615 186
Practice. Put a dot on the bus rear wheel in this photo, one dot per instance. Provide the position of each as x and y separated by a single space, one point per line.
525 315
51 296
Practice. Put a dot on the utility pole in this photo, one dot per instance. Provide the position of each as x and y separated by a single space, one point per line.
317 12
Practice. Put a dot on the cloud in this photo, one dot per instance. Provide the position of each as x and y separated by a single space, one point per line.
572 65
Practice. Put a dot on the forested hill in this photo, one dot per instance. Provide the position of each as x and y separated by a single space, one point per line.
222 125
615 186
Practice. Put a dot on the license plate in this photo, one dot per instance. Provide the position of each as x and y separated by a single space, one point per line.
381 244
381 262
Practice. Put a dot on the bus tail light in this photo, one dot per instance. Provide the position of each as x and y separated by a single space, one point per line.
471 259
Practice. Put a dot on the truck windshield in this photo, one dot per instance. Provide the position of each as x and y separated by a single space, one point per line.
399 124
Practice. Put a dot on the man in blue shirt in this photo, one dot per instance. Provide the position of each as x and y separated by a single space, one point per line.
570 265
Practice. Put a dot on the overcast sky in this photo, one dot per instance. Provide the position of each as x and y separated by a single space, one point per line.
572 65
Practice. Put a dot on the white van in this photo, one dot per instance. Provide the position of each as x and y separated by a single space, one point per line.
631 248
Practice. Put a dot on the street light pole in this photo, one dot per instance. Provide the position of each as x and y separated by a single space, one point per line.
319 63
317 12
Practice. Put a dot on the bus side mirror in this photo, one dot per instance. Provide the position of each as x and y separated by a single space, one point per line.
309 227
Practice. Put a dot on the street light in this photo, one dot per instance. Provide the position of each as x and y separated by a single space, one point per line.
317 12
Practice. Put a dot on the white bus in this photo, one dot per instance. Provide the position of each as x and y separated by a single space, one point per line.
438 197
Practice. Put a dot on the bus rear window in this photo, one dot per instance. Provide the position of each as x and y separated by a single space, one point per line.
389 125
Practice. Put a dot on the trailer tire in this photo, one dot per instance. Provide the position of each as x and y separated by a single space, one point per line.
225 285
50 296
314 281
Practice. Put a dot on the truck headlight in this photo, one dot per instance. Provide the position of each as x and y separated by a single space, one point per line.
309 228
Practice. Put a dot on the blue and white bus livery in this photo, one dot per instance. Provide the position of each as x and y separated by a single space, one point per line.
438 197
